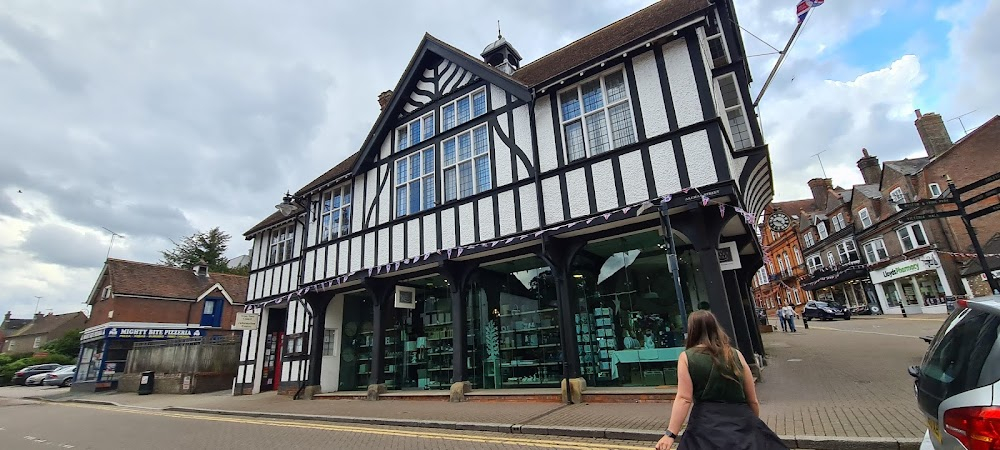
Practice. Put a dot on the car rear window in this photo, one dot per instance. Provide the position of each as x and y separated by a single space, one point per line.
963 357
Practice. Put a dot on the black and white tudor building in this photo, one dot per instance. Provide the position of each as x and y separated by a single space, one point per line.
512 225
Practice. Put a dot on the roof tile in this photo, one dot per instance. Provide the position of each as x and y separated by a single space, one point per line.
136 278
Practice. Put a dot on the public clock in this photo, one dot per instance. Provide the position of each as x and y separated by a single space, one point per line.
779 221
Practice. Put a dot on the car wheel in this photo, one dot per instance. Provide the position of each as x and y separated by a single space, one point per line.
65 383
847 318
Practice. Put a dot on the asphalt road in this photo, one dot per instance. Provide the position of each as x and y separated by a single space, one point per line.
32 425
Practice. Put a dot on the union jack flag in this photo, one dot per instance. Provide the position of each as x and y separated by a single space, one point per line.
804 6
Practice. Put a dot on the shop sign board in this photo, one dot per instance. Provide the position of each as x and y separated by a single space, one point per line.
904 268
996 274
152 333
246 321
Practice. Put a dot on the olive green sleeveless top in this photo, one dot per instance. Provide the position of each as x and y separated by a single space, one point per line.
709 385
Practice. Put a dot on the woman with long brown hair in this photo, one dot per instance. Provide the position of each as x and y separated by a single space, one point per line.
715 385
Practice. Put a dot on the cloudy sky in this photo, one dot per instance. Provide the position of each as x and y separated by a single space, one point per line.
156 119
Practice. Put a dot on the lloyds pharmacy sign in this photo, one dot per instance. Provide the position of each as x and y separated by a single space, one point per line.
915 267
905 268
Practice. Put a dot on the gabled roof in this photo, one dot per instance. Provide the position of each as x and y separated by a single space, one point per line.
49 323
274 219
170 283
642 24
341 169
908 166
13 324
868 190
429 45
794 206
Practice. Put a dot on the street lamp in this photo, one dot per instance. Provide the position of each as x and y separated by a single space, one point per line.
289 203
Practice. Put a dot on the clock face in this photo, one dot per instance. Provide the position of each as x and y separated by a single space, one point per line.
779 221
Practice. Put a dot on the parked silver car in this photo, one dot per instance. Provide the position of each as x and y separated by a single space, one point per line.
62 376
958 382
35 380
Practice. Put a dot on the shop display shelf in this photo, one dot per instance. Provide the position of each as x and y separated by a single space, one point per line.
526 347
521 313
528 330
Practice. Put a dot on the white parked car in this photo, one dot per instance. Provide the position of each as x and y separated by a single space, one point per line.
958 382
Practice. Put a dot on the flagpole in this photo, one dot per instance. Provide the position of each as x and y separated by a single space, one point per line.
781 58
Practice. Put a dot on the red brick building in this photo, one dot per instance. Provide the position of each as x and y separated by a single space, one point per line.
134 301
32 336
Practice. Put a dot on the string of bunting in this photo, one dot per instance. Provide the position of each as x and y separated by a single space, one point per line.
455 252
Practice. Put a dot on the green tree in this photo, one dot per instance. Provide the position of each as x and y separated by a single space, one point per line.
209 246
68 345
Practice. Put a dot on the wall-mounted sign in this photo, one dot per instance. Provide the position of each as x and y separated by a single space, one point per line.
729 256
151 333
406 297
905 268
246 321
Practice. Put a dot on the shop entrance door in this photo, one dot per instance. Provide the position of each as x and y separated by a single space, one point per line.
270 377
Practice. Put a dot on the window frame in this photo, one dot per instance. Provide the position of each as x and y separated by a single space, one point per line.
798 255
934 187
37 343
604 108
296 345
725 110
838 222
908 228
808 238
471 96
326 230
830 258
426 177
842 250
897 196
821 230
863 214
408 128
475 159
814 263
875 249
280 250
725 50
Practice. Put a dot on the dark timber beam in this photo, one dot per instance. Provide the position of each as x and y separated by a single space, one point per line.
458 273
558 254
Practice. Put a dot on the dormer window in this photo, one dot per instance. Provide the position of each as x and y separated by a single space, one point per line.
897 197
463 109
821 229
335 213
415 132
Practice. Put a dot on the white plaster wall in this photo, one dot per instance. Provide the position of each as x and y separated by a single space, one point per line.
357 192
498 97
385 208
665 175
633 177
355 254
683 88
383 247
329 376
505 173
337 259
256 258
508 224
448 228
579 199
529 207
466 230
698 155
522 129
372 177
386 149
369 250
398 243
266 286
413 238
547 157
291 276
736 168
309 276
252 291
604 177
486 231
647 82
430 233
552 196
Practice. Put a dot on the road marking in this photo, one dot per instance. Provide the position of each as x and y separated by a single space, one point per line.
913 318
367 430
794 360
865 332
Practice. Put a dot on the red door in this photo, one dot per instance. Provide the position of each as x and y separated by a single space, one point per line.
280 338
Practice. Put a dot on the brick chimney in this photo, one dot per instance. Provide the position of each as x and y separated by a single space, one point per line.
384 98
870 168
820 188
932 133
6 317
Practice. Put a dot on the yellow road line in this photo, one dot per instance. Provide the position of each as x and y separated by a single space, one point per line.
913 318
366 430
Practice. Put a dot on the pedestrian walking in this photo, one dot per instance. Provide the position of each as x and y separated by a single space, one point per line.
790 316
781 318
715 385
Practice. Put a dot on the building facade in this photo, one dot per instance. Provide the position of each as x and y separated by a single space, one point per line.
512 226
778 282
136 302
41 329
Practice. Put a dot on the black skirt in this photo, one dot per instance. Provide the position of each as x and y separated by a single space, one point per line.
729 426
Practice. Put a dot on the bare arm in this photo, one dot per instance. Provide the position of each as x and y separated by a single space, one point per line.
682 402
749 388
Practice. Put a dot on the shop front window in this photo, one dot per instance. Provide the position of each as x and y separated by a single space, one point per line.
419 340
356 343
892 295
516 323
628 319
